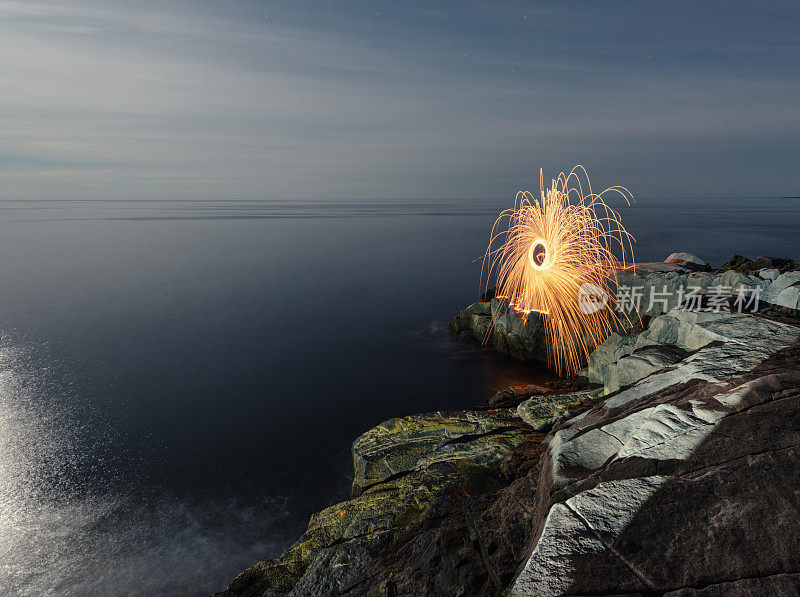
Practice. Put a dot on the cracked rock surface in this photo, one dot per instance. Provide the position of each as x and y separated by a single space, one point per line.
677 473
441 506
437 509
684 482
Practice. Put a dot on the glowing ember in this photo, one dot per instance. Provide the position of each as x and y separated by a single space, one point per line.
557 257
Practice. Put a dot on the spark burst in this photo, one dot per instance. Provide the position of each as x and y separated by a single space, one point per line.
555 251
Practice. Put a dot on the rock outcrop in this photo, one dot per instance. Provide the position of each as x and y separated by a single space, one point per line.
689 260
494 324
744 265
439 507
652 289
685 481
671 468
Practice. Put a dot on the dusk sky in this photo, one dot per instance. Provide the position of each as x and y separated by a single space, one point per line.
104 99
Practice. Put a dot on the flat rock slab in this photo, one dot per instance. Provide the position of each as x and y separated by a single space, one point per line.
684 482
405 444
541 412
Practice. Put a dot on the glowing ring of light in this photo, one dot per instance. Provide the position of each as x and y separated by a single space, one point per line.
539 242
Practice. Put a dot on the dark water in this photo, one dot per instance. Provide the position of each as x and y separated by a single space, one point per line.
180 381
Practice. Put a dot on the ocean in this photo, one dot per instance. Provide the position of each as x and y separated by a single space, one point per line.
181 381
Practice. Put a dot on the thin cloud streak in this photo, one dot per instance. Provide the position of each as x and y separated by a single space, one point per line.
125 100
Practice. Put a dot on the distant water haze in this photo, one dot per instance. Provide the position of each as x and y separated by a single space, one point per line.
180 381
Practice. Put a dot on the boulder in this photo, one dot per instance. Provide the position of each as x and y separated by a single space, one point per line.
749 266
776 289
541 412
503 330
706 447
768 273
472 323
689 260
788 297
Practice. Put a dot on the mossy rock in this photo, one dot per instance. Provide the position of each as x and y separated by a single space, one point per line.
409 470
542 412
404 444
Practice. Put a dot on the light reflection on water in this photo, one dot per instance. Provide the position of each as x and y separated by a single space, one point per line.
68 528
71 524
180 381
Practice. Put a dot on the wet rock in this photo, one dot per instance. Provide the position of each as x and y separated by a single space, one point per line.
768 273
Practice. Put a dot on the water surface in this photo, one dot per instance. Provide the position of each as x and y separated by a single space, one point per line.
180 381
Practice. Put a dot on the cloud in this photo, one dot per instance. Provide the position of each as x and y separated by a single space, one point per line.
104 99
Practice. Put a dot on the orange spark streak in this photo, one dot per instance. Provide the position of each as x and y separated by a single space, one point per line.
551 248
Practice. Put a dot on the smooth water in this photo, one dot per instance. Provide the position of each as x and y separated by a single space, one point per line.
180 381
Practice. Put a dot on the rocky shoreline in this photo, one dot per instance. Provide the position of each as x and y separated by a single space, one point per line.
670 467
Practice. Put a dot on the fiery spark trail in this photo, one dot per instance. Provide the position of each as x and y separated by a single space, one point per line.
555 255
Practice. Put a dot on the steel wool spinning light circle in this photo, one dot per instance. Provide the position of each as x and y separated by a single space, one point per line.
538 254
544 253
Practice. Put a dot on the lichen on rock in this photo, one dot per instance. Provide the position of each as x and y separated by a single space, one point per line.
694 433
411 473
541 412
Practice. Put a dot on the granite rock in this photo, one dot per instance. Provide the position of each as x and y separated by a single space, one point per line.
689 260
681 482
494 324
678 476
541 412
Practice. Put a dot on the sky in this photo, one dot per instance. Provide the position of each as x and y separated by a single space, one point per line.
388 100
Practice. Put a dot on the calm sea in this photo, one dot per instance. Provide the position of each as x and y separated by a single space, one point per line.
180 381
